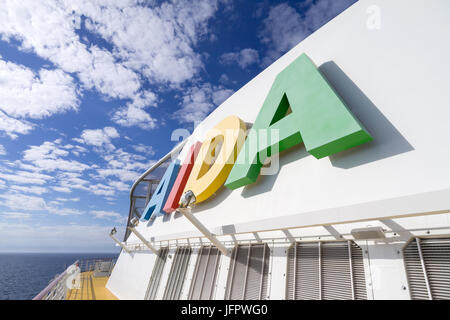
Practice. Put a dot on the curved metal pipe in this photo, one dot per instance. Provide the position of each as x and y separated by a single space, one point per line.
155 166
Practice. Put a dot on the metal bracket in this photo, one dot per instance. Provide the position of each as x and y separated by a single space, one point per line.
141 237
119 243
187 213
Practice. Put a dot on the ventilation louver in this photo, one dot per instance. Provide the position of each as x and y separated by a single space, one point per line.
155 278
427 263
205 273
177 273
248 273
325 270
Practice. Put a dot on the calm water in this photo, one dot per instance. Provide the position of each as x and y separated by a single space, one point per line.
24 275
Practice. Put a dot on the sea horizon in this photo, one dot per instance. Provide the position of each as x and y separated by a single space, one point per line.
24 274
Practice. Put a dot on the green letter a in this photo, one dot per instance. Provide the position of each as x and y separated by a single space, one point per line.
319 118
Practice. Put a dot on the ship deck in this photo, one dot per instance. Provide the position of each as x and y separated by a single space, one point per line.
91 288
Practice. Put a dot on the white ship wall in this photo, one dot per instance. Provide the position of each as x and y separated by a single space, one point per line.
395 80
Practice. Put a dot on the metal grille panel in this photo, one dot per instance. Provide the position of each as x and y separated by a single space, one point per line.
325 270
336 274
359 277
427 263
265 275
248 273
205 273
155 278
177 273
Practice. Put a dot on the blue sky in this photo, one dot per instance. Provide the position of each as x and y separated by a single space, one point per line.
91 90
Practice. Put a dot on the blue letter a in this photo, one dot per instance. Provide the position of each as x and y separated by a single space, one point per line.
159 198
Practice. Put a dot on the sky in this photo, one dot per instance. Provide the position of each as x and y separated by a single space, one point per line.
91 91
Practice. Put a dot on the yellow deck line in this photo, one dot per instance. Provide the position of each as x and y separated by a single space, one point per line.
92 288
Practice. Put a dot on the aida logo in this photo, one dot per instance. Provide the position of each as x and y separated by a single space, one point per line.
301 107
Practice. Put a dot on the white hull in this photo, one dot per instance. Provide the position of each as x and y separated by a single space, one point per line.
395 81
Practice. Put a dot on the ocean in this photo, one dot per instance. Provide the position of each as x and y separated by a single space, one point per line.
24 275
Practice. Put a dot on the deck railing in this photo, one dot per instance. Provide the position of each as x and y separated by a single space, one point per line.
58 288
144 187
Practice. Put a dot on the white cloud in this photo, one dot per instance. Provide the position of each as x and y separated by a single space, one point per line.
163 55
15 215
2 150
119 185
134 114
32 189
220 94
48 28
123 165
68 199
30 236
63 211
102 190
62 189
122 174
224 79
22 202
12 126
32 203
25 94
100 138
49 157
148 150
131 115
243 58
68 181
71 180
101 214
284 27
111 175
76 150
199 101
25 177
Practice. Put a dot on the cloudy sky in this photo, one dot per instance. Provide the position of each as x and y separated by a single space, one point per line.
91 90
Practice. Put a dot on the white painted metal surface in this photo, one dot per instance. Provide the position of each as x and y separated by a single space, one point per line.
394 79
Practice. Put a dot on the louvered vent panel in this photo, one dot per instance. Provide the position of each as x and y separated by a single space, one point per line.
436 253
204 278
209 284
254 273
265 281
248 273
155 278
177 273
199 273
359 278
414 271
336 274
307 271
427 263
325 270
238 273
290 273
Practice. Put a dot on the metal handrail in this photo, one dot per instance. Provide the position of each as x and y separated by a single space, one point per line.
152 168
51 285
52 291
